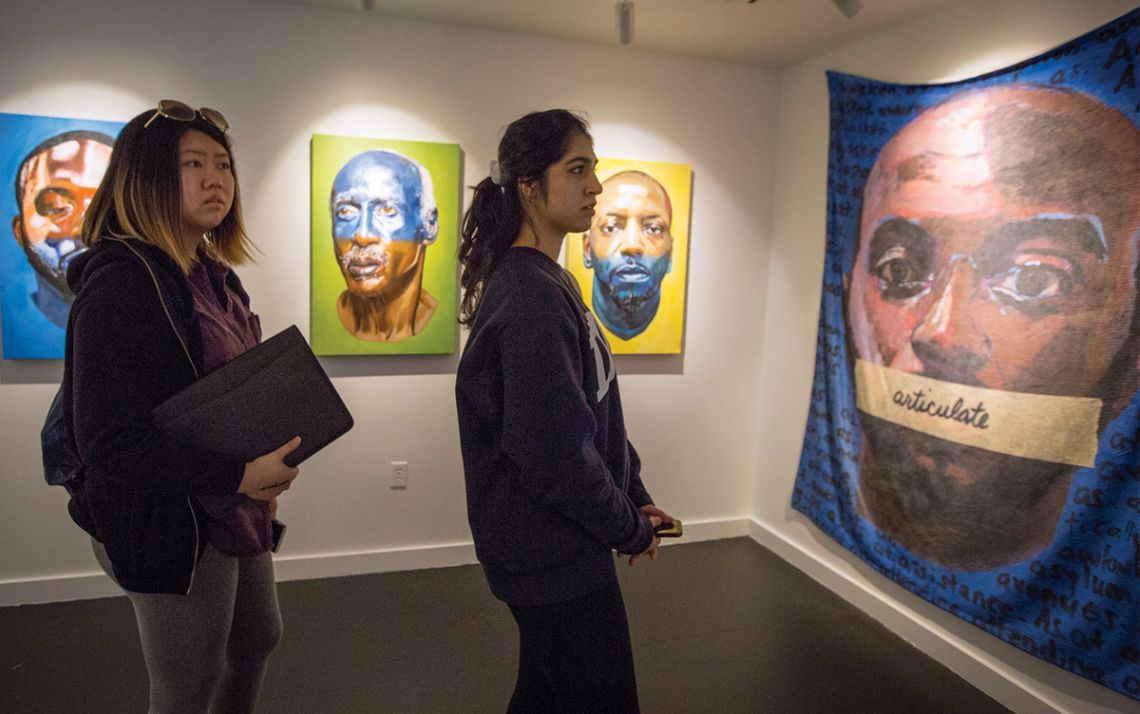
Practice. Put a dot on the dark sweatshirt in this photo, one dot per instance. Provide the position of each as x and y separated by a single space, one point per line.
122 359
553 484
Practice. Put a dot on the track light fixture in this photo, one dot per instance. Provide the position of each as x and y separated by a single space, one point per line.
849 8
624 12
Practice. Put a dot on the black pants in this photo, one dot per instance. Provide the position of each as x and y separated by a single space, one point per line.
575 656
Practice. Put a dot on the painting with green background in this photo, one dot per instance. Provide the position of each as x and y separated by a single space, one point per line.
327 334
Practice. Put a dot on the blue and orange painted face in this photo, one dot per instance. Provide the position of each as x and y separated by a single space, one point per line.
630 249
383 215
55 193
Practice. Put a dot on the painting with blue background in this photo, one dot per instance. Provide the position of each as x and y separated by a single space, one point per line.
63 160
1037 548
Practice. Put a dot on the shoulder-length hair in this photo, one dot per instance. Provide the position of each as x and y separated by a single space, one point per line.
140 196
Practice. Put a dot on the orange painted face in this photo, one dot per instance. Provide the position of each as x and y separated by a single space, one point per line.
384 216
998 243
59 185
376 267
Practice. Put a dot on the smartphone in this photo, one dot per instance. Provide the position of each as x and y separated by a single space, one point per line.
278 534
669 530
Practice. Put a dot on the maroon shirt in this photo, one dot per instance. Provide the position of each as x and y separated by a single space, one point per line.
239 526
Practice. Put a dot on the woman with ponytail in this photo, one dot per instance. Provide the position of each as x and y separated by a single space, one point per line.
553 484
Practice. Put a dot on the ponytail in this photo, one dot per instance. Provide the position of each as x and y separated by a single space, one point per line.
528 148
490 225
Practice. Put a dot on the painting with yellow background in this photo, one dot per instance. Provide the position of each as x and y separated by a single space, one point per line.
632 264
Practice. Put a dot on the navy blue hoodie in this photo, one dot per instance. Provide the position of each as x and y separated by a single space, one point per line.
553 484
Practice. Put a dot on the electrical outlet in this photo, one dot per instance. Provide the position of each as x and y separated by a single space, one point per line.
399 474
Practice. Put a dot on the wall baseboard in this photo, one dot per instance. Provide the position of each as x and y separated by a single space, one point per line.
95 584
57 588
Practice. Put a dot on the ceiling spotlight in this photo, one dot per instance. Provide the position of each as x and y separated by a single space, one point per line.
849 8
624 11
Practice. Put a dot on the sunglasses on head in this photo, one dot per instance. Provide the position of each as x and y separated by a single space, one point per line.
178 111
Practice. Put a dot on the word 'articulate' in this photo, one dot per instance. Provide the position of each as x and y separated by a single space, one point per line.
917 401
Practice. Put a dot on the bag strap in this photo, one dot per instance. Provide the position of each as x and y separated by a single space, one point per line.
162 300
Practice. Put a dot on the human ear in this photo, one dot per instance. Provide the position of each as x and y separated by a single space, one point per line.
528 193
526 190
429 227
18 231
587 254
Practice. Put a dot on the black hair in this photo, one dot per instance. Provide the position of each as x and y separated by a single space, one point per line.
529 147
140 194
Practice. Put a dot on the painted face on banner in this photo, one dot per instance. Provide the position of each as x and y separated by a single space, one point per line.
383 217
997 264
998 244
55 188
630 249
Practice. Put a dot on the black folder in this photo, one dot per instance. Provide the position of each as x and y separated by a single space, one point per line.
256 402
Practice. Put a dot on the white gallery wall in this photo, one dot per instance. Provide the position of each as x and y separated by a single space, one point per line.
964 40
719 428
281 73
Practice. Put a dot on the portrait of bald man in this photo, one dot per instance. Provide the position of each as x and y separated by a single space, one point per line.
54 185
384 216
992 316
630 249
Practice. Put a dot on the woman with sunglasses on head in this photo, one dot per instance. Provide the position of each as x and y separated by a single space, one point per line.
553 484
184 530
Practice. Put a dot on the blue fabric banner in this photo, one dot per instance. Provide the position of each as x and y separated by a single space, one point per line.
974 430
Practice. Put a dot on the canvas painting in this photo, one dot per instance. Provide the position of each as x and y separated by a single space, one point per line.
385 216
632 264
52 167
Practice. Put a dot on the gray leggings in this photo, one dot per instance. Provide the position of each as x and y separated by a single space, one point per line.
207 651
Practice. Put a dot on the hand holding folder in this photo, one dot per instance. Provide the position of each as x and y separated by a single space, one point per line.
258 401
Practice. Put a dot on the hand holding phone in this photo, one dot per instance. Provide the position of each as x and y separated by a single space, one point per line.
669 530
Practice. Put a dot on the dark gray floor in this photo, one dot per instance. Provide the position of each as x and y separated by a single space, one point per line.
723 626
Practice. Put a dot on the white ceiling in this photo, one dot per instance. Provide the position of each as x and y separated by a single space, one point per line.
768 33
